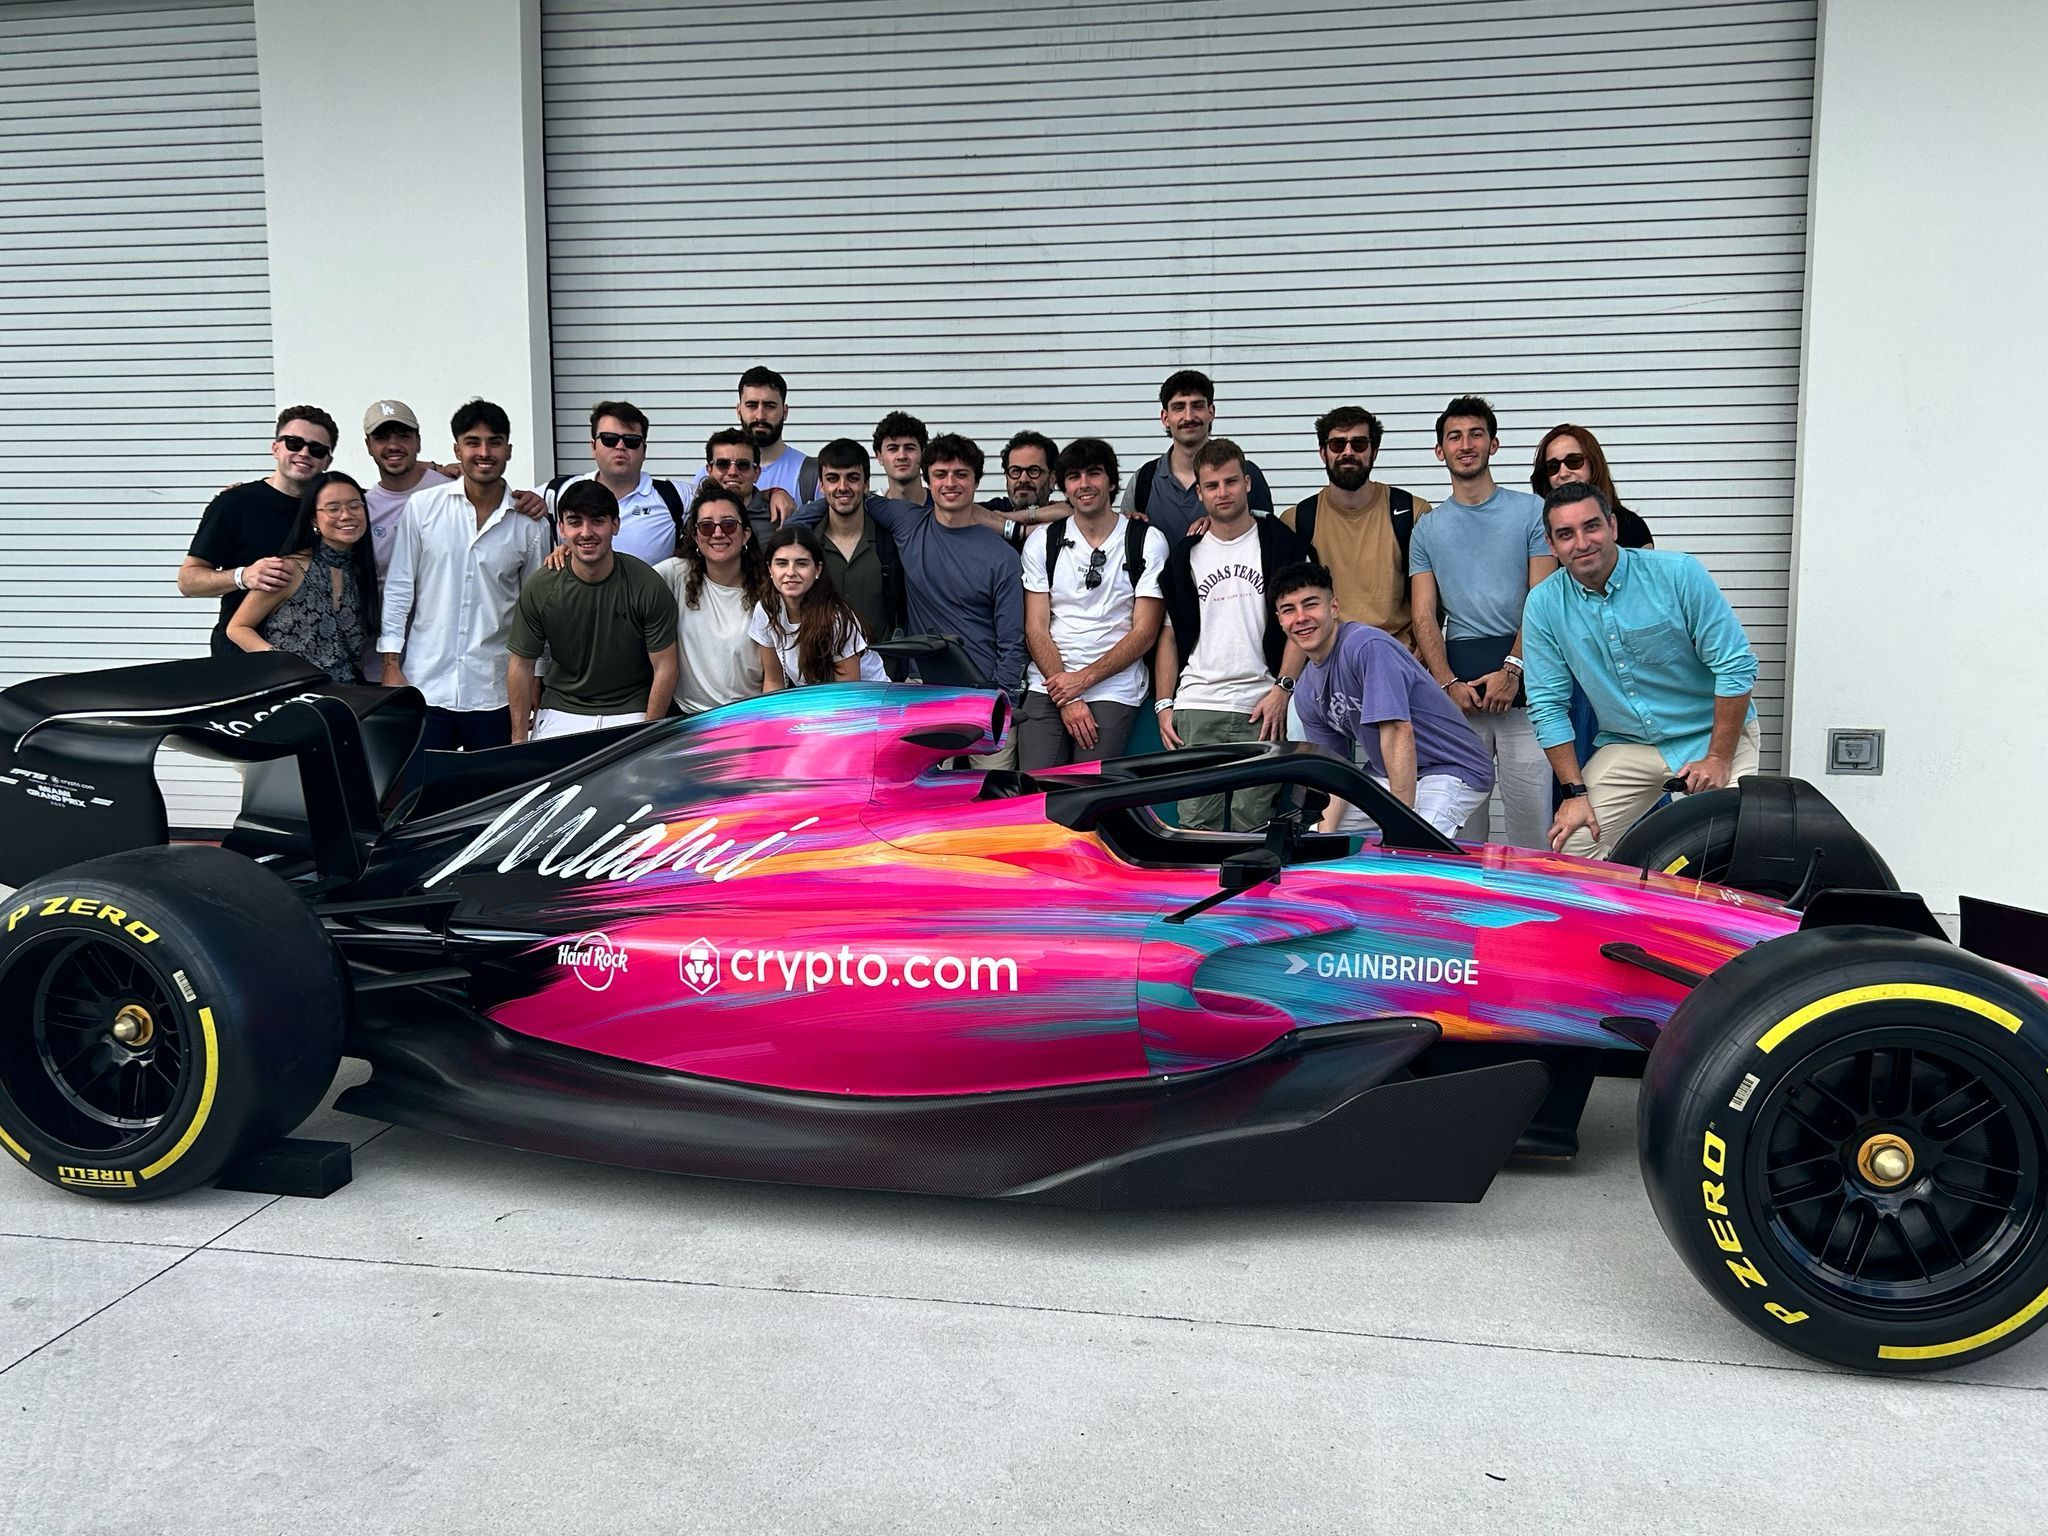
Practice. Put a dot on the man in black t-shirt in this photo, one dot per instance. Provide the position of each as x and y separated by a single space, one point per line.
241 535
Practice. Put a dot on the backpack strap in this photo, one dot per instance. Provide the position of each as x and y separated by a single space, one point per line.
807 481
1134 551
1305 517
1055 541
1402 505
678 509
1141 488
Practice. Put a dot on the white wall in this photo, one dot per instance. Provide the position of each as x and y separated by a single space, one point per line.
402 175
1921 552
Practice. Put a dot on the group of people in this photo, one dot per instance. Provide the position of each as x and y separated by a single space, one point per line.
1535 640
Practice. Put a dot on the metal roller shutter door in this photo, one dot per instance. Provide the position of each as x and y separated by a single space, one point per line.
1002 215
135 370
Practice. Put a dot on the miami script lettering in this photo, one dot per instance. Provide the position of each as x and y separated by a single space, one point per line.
649 851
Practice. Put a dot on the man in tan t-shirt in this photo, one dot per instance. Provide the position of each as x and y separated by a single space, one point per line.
1358 526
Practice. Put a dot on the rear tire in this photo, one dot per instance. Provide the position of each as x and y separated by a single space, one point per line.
163 1012
1693 837
1844 1132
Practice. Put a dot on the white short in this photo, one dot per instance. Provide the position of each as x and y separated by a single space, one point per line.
1441 799
562 722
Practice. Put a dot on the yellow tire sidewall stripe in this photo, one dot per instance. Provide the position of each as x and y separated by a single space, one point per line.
1991 1335
12 1145
1885 992
206 1090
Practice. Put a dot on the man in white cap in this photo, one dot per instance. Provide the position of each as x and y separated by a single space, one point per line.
391 433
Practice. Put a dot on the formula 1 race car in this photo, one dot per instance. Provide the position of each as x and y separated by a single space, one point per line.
787 940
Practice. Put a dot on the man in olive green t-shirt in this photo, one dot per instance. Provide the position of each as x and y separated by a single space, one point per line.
607 622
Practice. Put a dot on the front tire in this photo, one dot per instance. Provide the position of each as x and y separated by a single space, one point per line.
1844 1132
163 1012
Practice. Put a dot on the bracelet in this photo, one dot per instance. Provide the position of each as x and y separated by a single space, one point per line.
1512 661
240 585
1161 706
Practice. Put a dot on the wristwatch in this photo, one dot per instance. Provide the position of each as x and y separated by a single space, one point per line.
1286 684
1572 791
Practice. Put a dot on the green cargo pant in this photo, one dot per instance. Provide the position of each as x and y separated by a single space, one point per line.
1249 808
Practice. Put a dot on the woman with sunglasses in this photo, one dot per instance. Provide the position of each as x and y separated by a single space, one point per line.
326 611
805 631
1570 455
718 579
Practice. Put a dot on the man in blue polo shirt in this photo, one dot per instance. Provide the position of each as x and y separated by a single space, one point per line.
1662 657
1362 687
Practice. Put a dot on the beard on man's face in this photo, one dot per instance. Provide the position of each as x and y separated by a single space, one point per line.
764 433
1349 474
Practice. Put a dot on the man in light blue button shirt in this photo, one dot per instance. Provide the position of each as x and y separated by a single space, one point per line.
1650 638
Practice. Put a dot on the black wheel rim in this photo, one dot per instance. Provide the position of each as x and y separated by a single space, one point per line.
70 1074
1965 1125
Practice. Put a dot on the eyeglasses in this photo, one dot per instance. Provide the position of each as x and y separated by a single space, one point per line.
1096 561
1359 444
1569 461
711 525
311 446
732 464
1027 472
341 506
625 439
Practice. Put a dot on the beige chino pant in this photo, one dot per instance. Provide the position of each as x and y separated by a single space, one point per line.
1623 780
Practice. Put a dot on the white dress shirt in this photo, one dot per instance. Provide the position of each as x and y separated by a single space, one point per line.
448 597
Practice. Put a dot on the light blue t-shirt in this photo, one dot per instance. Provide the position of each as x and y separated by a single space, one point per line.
1653 651
1480 559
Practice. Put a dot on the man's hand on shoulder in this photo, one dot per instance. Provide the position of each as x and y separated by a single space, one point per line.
780 505
529 503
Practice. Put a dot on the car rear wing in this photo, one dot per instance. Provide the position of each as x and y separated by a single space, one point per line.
78 757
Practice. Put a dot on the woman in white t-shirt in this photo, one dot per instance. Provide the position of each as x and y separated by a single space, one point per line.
718 580
806 632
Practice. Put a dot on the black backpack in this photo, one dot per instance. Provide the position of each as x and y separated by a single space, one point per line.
665 489
1134 548
1399 503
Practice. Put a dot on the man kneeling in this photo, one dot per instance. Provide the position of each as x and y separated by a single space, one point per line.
607 622
1362 687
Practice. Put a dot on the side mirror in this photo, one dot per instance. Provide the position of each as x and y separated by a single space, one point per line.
1242 871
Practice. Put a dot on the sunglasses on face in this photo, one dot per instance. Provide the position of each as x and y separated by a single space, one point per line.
1569 461
625 439
711 526
729 465
1359 444
311 447
1093 578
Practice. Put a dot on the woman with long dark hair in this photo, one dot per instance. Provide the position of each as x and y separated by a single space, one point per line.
327 612
1570 454
806 632
718 579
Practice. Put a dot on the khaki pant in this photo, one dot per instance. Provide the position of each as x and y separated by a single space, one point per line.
1251 808
1623 780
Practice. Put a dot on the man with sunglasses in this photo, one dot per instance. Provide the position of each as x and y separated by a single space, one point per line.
650 509
732 459
236 547
1359 527
1092 608
1475 560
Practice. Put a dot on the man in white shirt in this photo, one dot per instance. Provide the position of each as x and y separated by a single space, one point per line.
1239 666
650 508
458 561
1092 610
763 407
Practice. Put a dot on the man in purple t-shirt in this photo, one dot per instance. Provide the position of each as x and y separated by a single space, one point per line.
1362 687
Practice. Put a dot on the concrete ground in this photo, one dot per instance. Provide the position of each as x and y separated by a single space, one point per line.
467 1339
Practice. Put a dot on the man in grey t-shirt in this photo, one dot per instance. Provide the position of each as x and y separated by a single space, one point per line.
959 576
1471 564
